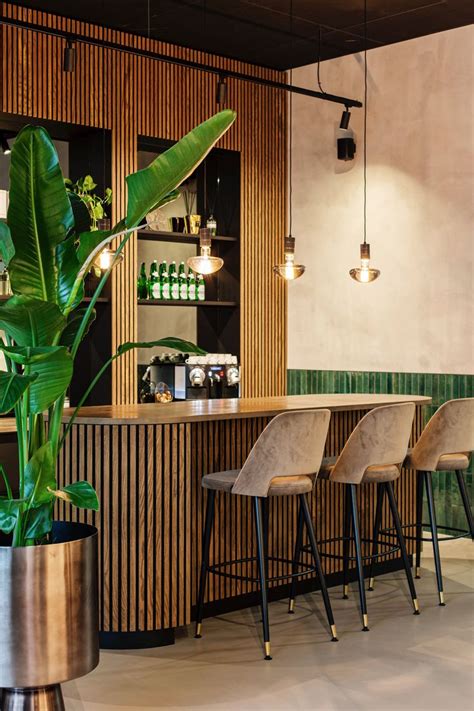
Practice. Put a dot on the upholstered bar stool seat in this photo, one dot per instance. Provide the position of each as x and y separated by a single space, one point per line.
446 462
445 444
374 474
284 461
279 486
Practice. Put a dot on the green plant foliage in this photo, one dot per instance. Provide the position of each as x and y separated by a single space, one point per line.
12 387
50 243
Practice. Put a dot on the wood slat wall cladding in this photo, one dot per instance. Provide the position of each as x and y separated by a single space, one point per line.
148 478
135 96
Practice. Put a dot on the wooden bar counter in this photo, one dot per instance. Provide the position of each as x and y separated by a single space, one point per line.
146 462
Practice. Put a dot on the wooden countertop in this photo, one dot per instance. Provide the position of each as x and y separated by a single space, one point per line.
202 410
7 425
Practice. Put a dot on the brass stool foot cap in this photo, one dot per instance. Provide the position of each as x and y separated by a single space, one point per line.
417 573
365 619
441 599
267 651
197 634
416 606
334 634
371 584
291 607
345 590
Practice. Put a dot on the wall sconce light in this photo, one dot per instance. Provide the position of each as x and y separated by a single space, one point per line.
221 91
205 263
69 57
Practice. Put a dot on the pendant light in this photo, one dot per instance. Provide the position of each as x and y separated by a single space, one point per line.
365 273
289 270
205 263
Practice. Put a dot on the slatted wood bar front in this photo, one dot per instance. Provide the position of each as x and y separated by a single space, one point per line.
147 462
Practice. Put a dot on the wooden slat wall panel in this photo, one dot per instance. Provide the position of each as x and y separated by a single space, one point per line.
153 506
135 96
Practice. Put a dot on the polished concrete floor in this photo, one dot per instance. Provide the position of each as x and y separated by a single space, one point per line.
404 663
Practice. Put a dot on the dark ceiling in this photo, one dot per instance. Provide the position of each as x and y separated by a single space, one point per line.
262 32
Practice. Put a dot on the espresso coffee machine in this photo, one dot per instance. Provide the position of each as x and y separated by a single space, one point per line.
215 375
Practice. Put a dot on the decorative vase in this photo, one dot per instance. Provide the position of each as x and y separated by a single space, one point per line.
193 224
178 224
49 604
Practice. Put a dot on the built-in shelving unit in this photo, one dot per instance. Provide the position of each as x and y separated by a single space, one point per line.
179 237
173 302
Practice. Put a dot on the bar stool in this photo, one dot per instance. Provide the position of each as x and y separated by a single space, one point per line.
445 444
372 455
284 461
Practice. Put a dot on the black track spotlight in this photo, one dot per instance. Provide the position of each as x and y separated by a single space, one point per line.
69 57
345 118
221 91
6 150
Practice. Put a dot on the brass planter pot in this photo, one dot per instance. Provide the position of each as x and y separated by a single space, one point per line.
49 611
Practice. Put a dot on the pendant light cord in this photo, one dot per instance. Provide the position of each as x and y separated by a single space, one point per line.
291 127
319 60
365 121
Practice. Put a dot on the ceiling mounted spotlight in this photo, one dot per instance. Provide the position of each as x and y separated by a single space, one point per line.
69 57
221 91
6 150
345 118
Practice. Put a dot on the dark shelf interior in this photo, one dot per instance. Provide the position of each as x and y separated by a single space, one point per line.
86 299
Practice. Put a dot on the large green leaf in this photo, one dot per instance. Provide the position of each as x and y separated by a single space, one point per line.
176 344
7 248
80 494
39 477
26 355
73 323
149 186
31 322
82 219
53 378
68 267
9 510
39 521
12 387
39 214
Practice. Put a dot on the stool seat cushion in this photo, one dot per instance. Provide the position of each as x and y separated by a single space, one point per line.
279 486
375 474
446 462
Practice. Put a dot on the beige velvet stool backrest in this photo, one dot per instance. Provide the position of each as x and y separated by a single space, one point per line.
380 438
449 431
292 444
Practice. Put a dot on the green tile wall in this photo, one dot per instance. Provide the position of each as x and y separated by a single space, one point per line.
449 508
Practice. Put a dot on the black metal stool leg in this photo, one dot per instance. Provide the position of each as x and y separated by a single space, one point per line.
211 495
317 562
465 501
419 522
262 574
266 528
346 542
378 521
360 567
296 559
434 534
402 544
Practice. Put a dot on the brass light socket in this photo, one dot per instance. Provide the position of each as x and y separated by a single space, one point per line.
365 250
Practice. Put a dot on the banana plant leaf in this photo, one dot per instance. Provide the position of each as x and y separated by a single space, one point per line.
82 219
39 214
31 322
9 510
39 522
25 355
53 378
12 387
7 248
39 477
68 267
149 186
177 344
80 494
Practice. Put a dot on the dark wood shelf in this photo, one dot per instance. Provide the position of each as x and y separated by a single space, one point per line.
172 302
179 237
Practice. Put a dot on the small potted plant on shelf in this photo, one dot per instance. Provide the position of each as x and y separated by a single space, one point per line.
48 569
94 204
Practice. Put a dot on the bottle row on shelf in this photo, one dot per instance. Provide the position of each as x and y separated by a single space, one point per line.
170 283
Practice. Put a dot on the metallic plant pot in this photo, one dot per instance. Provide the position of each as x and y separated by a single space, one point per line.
49 610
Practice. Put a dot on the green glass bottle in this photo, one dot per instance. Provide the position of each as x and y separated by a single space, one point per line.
183 286
174 284
191 287
172 269
200 288
163 268
165 286
153 281
142 283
